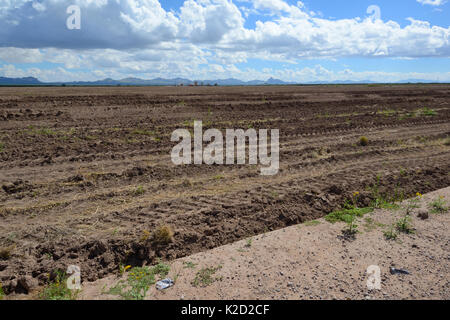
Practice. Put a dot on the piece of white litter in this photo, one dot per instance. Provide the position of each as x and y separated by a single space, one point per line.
164 284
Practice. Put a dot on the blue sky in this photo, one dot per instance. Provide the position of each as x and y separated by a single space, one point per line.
299 41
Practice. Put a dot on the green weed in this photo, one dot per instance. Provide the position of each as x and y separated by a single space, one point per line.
142 132
189 265
388 112
57 290
383 201
45 131
447 142
363 141
428 112
311 223
438 206
347 215
138 282
6 252
163 235
204 277
370 224
352 227
404 224
139 191
390 234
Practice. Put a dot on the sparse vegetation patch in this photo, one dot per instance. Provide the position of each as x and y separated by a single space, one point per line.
391 233
438 205
404 224
347 215
363 141
6 252
163 235
57 290
138 281
204 277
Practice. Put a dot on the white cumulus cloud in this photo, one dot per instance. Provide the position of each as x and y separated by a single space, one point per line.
202 37
432 2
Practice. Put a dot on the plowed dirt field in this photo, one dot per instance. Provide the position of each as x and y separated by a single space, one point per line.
86 175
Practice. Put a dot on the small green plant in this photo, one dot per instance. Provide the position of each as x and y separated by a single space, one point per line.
142 132
131 140
363 141
375 190
157 139
186 183
145 235
352 228
45 132
274 195
347 215
139 191
2 294
57 290
404 224
438 206
382 201
123 268
407 115
204 277
388 112
249 242
421 139
311 223
414 203
386 204
399 195
189 265
447 142
6 252
390 234
370 224
138 282
428 112
161 269
188 123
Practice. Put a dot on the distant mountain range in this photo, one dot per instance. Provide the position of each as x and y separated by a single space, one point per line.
19 81
142 82
179 81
